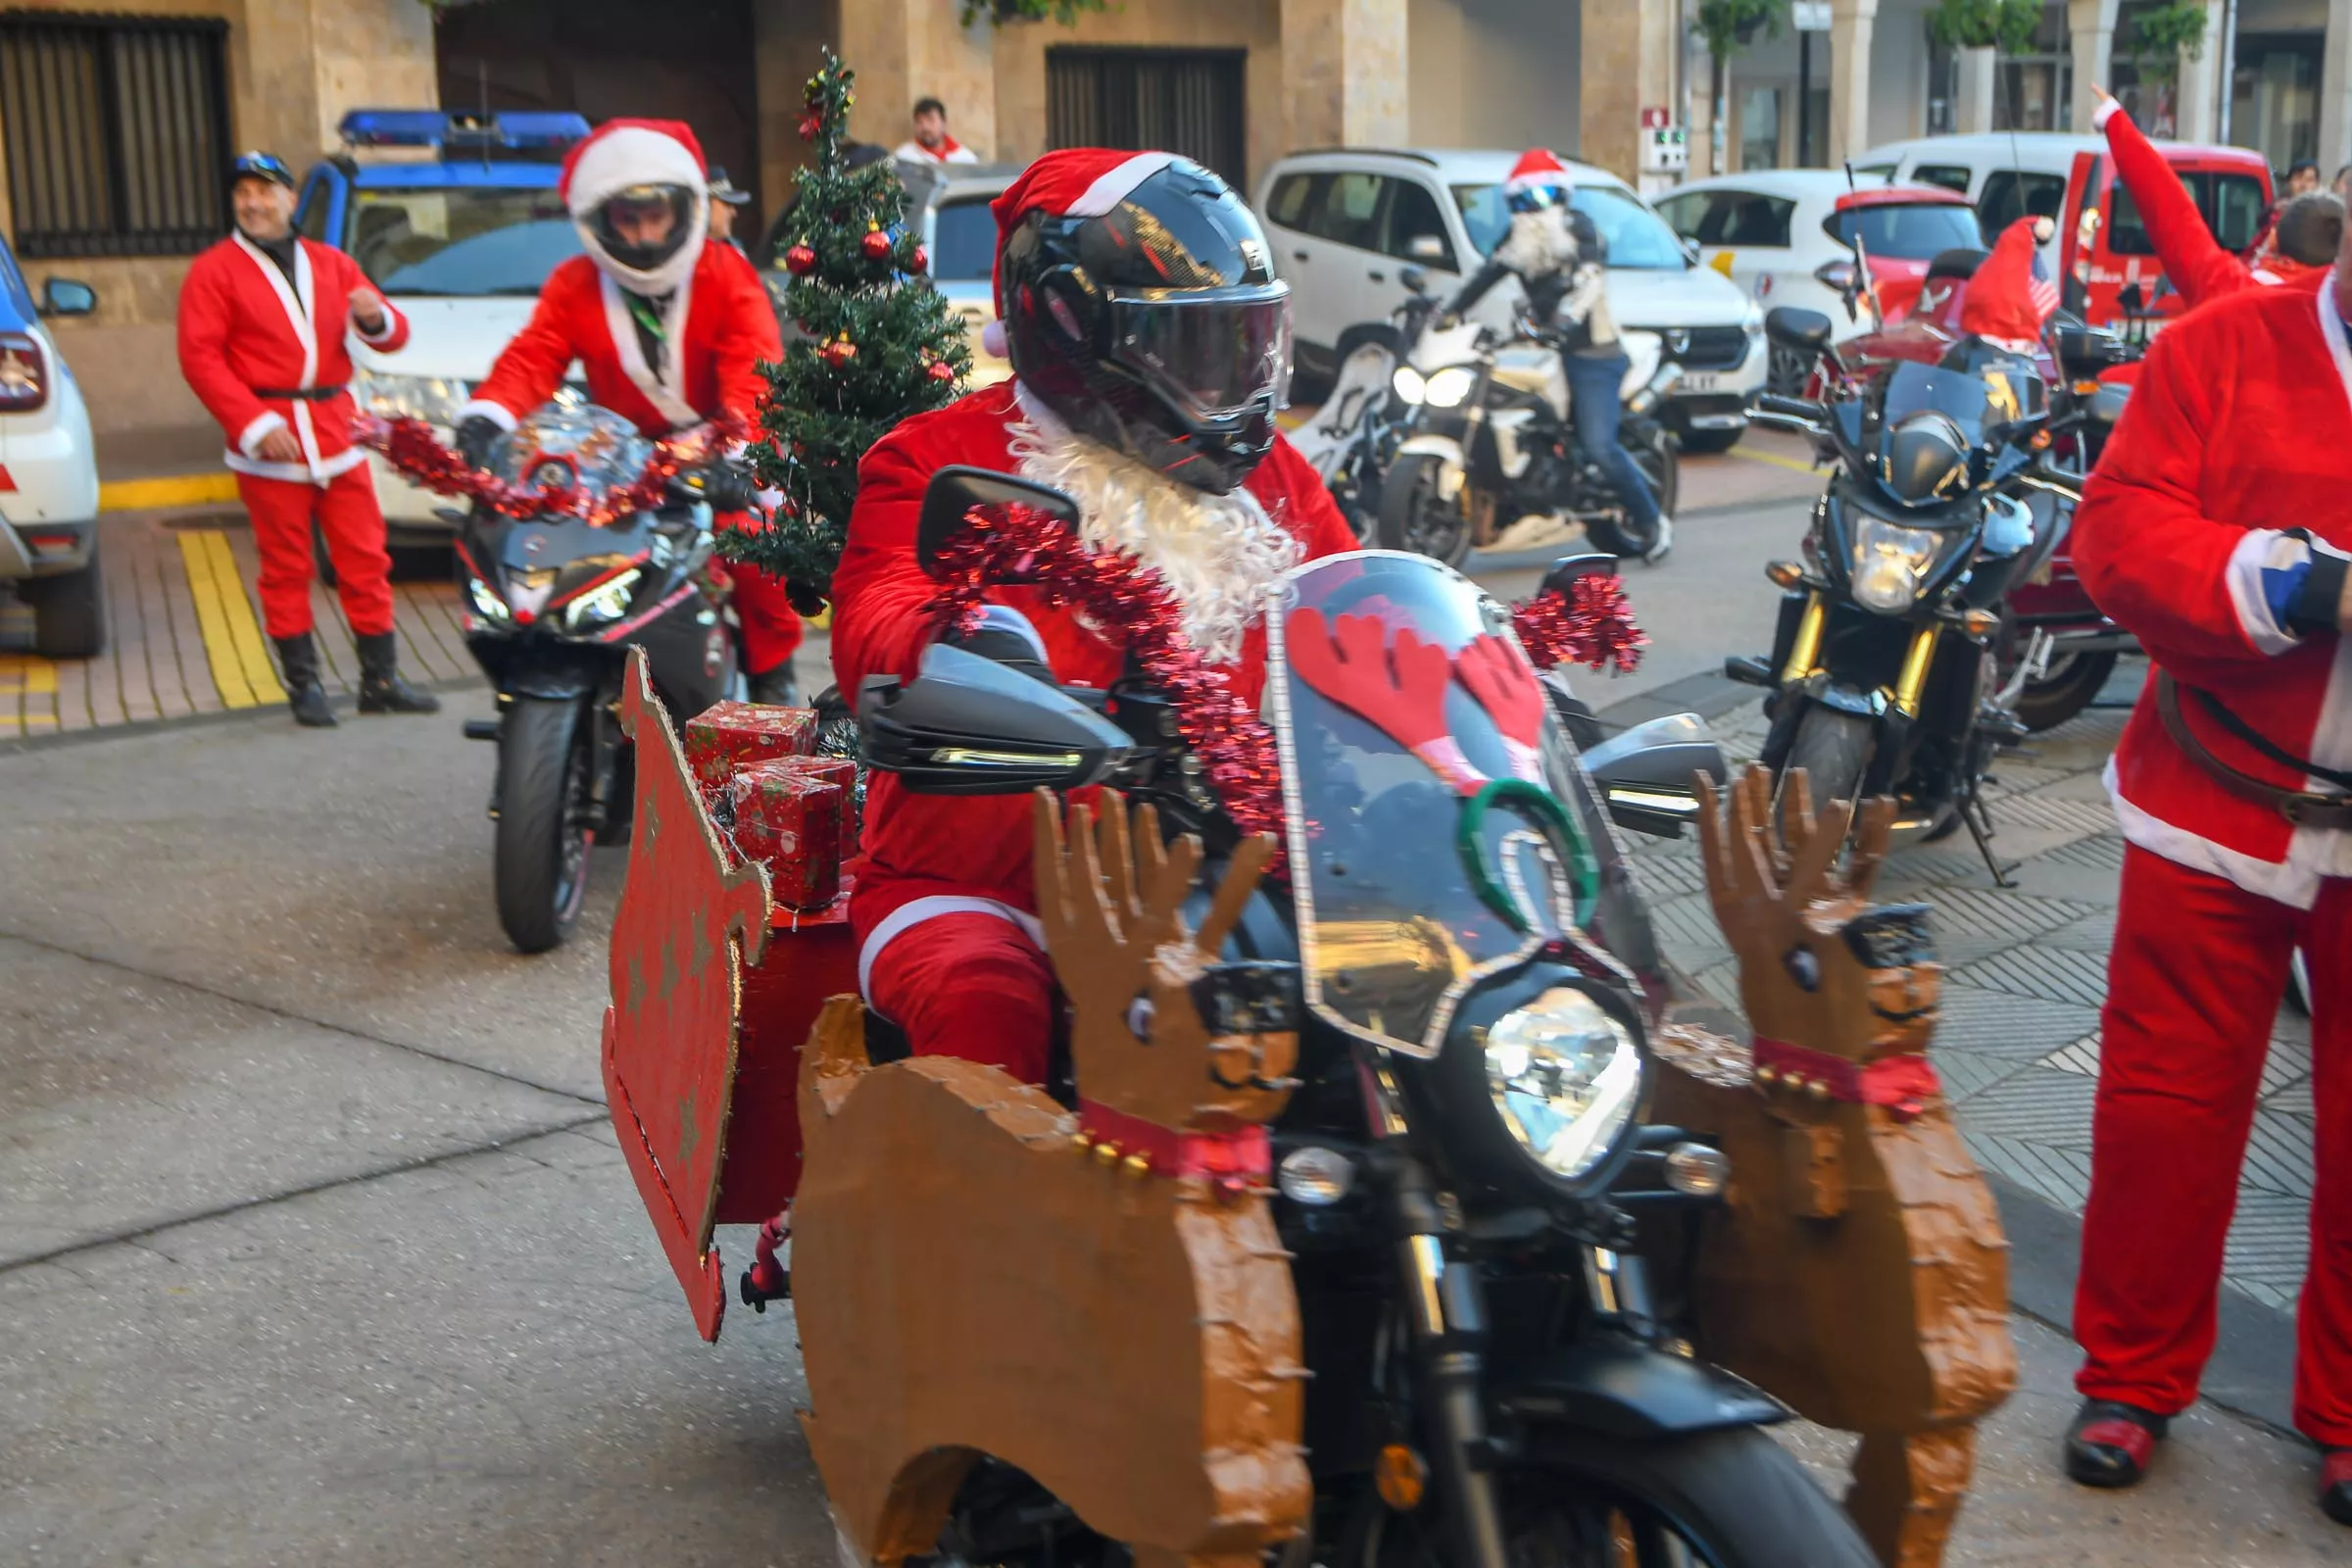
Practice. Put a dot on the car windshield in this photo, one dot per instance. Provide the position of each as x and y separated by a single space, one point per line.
461 241
963 244
1910 232
1635 236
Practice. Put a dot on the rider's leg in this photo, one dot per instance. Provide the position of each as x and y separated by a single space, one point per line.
968 983
1593 383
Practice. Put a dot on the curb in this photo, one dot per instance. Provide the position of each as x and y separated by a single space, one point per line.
167 490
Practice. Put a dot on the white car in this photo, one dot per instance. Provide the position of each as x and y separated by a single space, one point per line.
1785 236
1343 223
2007 176
959 234
48 470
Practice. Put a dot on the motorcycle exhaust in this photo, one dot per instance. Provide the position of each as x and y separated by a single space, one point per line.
2032 668
1667 377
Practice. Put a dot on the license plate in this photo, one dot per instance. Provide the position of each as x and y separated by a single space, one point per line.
1696 381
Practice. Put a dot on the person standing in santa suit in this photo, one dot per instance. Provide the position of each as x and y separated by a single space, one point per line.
2217 529
670 331
1150 349
262 323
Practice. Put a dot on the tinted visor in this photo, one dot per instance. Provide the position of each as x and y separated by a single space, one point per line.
644 225
1533 198
1215 354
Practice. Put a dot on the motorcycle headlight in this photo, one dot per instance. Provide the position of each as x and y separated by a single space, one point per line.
605 605
1565 1077
486 603
1890 563
434 399
1450 386
1409 384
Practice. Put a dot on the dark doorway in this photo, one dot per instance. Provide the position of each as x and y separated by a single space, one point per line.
689 60
1168 100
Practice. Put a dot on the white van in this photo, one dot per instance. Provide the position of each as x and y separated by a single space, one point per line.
2007 176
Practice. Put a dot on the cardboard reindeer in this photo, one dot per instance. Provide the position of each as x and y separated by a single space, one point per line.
1098 1298
1860 1272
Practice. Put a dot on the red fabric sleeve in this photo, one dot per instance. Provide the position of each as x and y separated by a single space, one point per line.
747 336
531 368
2146 551
207 314
2193 260
878 590
1315 517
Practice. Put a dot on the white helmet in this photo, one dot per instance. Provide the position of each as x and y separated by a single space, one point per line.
620 185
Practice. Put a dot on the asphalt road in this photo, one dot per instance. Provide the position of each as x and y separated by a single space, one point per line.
315 1247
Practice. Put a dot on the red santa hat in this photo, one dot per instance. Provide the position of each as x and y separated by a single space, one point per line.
2009 298
622 153
1071 182
1538 165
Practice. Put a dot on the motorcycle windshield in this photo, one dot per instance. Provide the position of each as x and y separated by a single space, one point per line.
1436 830
557 448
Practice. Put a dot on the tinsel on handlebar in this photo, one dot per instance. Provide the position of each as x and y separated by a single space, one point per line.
411 447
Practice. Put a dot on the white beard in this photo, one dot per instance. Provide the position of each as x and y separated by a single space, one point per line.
1217 554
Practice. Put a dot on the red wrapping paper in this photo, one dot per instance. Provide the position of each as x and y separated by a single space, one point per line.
789 820
728 737
841 772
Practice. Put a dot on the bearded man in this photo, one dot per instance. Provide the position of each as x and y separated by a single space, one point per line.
1150 349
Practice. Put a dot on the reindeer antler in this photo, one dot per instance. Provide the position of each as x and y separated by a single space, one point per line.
1400 687
1753 878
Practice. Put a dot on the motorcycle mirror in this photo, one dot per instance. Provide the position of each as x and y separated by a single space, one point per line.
1425 248
954 492
1807 331
1415 280
1568 568
2106 406
968 725
1647 775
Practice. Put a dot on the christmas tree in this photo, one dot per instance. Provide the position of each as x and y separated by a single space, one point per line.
877 343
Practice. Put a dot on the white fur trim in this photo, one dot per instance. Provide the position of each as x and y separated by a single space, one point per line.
915 912
2263 274
2104 112
993 340
1112 188
249 439
391 325
2261 548
630 155
497 413
2288 881
666 392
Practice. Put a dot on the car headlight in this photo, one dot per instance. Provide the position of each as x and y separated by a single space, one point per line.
1409 384
1566 1077
1890 563
1751 322
607 604
486 603
1450 386
434 399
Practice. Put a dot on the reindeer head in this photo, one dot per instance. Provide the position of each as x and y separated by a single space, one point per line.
1819 964
1164 1033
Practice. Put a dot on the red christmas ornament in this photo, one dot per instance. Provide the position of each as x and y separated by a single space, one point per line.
838 352
921 261
876 245
799 261
1590 625
940 371
811 125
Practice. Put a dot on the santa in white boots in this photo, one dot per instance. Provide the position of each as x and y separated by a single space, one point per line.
1150 341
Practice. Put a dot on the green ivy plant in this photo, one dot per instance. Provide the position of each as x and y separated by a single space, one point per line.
2165 35
1000 11
2007 26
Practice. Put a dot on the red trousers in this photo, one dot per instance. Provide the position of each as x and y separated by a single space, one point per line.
966 984
2195 979
345 507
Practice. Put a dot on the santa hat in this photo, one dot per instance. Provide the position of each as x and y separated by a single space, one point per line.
2009 298
1538 165
1071 182
622 153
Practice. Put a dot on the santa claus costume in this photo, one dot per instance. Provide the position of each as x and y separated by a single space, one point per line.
670 335
2217 530
262 345
1200 488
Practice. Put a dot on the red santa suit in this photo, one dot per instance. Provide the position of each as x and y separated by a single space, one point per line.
2192 535
264 354
717 322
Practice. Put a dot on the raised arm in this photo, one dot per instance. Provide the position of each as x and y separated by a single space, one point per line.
2193 260
530 367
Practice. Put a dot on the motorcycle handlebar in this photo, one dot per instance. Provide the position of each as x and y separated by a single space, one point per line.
1773 406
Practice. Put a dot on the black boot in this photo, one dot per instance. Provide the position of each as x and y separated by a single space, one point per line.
2110 1443
778 687
383 688
306 694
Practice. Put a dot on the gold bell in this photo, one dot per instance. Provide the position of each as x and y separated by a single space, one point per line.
1108 1153
1819 1089
1136 1164
1082 1142
1795 1081
1767 1074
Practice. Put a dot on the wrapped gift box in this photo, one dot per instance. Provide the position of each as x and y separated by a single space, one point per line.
788 819
728 737
844 772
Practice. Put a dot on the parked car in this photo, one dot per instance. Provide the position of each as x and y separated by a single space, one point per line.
1785 236
461 244
1344 221
2101 254
48 470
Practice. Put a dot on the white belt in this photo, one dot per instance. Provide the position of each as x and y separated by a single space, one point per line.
915 912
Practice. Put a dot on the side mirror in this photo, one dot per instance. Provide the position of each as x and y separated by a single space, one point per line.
1415 280
968 725
1806 331
1425 248
2106 406
956 490
1691 249
2131 300
1568 568
62 296
1647 775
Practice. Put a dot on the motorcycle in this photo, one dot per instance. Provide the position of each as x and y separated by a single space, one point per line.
1462 1174
1487 439
554 602
1352 438
1882 665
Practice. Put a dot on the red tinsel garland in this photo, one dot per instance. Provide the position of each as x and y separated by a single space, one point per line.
409 445
1590 625
1130 603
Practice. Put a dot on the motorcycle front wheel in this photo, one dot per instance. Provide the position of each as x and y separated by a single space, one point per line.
1415 516
541 856
1833 749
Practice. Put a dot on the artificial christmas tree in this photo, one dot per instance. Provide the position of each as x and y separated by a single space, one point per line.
876 343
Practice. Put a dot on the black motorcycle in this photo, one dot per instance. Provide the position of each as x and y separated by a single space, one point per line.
554 604
1486 440
1882 668
1464 1178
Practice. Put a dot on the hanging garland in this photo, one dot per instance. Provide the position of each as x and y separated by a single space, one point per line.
411 447
1591 624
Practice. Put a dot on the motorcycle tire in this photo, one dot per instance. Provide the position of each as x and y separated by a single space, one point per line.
1414 520
1833 749
2066 691
541 856
1730 1499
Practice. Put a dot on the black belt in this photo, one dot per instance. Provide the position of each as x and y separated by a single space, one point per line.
299 394
2302 808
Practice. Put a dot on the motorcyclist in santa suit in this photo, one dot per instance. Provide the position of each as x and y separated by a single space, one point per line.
1151 347
669 329
1558 258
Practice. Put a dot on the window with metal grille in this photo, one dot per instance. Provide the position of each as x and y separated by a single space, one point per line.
116 133
1180 101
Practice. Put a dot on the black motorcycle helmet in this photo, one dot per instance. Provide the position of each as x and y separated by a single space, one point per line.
1157 326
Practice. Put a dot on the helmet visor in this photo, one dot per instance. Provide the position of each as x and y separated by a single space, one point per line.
644 225
1215 355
